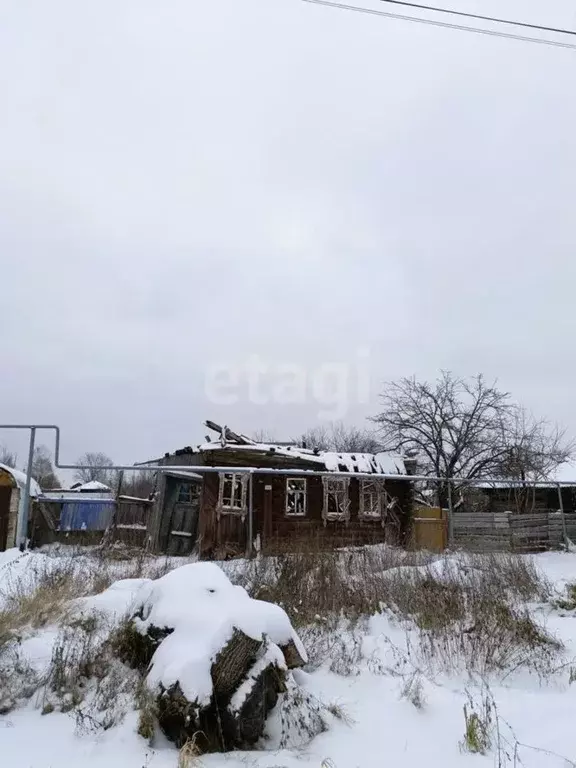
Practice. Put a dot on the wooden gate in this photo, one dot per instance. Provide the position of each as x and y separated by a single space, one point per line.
5 493
430 530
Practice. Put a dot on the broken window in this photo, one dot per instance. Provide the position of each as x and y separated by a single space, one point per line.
185 494
233 492
336 501
295 496
372 499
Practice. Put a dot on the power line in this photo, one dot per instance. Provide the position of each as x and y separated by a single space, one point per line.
478 17
444 24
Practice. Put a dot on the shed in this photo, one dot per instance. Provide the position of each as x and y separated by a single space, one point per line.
81 513
12 485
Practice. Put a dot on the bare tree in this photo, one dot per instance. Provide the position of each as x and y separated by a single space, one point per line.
467 428
263 436
7 457
93 467
43 469
535 448
140 484
337 436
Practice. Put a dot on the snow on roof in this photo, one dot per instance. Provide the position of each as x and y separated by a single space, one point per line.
93 485
203 607
20 480
379 463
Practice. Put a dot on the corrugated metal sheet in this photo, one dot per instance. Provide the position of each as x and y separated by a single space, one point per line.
86 515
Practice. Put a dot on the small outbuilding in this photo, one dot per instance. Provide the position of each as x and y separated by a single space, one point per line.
12 485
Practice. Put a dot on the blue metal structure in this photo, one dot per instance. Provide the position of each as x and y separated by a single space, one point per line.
86 515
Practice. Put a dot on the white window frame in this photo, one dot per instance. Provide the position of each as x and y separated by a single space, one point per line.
337 488
374 489
238 479
296 492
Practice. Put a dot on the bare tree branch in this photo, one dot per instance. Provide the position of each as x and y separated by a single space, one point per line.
8 457
340 437
468 428
91 470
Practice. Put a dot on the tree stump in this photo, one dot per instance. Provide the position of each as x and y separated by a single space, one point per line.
216 661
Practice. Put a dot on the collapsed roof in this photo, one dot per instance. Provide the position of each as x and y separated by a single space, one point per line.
331 461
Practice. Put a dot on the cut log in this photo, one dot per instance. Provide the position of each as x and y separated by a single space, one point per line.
233 662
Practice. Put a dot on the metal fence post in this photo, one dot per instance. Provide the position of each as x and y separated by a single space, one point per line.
561 503
250 547
22 533
450 517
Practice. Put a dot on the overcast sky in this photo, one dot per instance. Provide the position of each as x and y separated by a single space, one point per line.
186 184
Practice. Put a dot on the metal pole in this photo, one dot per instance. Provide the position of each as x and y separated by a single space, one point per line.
249 548
191 468
564 531
450 517
25 509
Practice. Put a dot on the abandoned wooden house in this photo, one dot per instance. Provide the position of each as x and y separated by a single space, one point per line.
319 503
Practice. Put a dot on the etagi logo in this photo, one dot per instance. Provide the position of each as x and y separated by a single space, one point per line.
334 386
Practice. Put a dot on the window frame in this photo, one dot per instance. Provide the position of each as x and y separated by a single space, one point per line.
339 488
239 480
188 487
303 492
376 511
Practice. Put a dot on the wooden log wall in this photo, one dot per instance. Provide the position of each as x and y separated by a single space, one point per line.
224 535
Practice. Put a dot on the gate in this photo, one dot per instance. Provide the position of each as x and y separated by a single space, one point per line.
430 530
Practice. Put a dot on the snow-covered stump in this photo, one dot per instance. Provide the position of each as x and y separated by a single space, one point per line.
216 660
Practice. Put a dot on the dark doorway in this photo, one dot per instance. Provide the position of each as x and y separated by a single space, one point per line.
5 493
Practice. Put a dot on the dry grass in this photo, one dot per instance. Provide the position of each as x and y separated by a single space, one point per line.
468 612
189 755
311 584
413 690
41 600
565 604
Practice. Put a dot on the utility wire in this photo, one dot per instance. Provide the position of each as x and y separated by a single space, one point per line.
444 24
478 17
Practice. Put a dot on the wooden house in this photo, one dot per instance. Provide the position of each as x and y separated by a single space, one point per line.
319 503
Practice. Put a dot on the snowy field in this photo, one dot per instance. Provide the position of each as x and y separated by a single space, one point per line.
394 689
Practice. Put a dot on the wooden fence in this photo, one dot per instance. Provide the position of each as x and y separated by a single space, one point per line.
504 531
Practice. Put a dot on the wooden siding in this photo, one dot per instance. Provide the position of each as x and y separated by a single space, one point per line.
500 531
225 535
219 536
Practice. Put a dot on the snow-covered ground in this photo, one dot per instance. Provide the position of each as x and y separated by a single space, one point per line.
390 711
